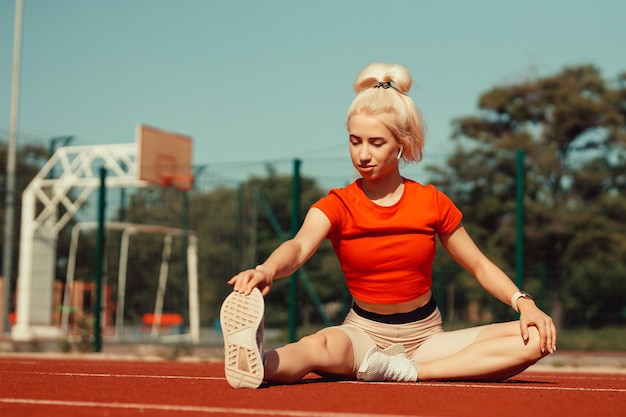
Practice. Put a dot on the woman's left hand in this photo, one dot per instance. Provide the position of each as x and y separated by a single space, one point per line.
531 315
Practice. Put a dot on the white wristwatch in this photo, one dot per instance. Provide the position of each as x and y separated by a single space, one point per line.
517 296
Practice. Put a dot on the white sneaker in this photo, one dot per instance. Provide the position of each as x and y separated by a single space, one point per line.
241 319
390 364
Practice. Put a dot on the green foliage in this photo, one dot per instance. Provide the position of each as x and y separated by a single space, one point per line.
571 127
83 341
608 338
259 214
155 206
238 225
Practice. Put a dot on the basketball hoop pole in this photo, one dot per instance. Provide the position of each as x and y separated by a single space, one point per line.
9 199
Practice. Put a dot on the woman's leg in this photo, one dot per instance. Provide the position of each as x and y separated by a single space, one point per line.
327 351
492 352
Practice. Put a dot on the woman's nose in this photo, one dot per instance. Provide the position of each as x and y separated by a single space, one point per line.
364 153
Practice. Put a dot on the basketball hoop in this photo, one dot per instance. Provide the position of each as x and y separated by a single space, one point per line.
165 158
178 182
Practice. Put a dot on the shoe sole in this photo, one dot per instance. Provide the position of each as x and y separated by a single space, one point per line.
240 318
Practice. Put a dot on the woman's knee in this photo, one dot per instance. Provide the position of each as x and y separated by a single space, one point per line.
531 348
328 346
315 341
533 345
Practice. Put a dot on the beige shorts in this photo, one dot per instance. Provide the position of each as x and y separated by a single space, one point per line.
423 340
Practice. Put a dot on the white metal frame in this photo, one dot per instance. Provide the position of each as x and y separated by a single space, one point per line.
129 229
77 167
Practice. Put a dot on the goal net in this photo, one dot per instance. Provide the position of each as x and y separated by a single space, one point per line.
151 285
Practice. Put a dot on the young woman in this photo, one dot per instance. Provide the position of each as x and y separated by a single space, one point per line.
383 227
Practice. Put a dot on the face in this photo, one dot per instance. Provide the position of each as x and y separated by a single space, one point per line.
373 149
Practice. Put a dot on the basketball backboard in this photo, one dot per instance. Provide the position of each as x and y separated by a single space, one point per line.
165 157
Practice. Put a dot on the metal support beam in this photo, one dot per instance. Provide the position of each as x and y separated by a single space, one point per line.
76 171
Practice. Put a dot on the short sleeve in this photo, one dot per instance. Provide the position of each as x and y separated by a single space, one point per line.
331 207
449 214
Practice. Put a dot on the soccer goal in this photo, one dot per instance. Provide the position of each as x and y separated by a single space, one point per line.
155 321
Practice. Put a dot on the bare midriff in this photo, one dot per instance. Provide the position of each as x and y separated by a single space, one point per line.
395 308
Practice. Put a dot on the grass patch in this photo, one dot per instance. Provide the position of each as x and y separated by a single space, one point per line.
605 339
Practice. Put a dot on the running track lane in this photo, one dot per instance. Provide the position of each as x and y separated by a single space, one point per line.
32 386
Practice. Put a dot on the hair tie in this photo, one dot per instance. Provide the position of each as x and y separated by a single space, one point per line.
381 84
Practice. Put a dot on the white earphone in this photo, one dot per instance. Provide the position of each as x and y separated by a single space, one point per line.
400 153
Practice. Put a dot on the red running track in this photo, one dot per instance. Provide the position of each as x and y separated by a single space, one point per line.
35 386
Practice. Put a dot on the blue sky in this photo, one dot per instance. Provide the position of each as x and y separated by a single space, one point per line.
272 79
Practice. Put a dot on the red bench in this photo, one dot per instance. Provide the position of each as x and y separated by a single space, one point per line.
170 322
167 319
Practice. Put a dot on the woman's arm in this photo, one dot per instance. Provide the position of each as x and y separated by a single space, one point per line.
288 257
463 250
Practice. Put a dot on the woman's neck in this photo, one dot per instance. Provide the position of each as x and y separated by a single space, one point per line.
384 192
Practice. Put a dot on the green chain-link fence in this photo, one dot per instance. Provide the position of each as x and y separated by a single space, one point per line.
239 213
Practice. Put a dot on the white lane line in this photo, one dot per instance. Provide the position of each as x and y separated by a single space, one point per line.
518 386
100 375
186 408
605 377
529 387
512 385
18 362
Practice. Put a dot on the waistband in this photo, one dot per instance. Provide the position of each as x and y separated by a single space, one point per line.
418 314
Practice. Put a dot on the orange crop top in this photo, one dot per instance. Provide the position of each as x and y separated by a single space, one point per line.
386 253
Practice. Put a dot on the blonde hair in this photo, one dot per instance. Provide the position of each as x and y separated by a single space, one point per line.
391 105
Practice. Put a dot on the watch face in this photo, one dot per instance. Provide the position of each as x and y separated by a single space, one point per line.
526 295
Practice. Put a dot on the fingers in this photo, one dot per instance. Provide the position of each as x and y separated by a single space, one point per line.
545 327
265 290
552 337
547 332
524 329
543 337
243 282
246 281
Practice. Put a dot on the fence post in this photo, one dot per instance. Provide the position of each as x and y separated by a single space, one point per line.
295 224
97 305
519 220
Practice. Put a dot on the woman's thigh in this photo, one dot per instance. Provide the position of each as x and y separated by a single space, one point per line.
365 334
448 343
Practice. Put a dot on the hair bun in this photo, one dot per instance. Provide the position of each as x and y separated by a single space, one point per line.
376 73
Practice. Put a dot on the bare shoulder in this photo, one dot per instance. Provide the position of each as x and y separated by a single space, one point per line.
315 226
316 218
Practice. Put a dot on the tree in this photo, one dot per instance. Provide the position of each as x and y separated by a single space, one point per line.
238 225
268 208
571 127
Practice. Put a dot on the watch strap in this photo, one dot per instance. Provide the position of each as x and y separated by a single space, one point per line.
517 296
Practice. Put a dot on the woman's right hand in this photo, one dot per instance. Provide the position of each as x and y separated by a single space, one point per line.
245 281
